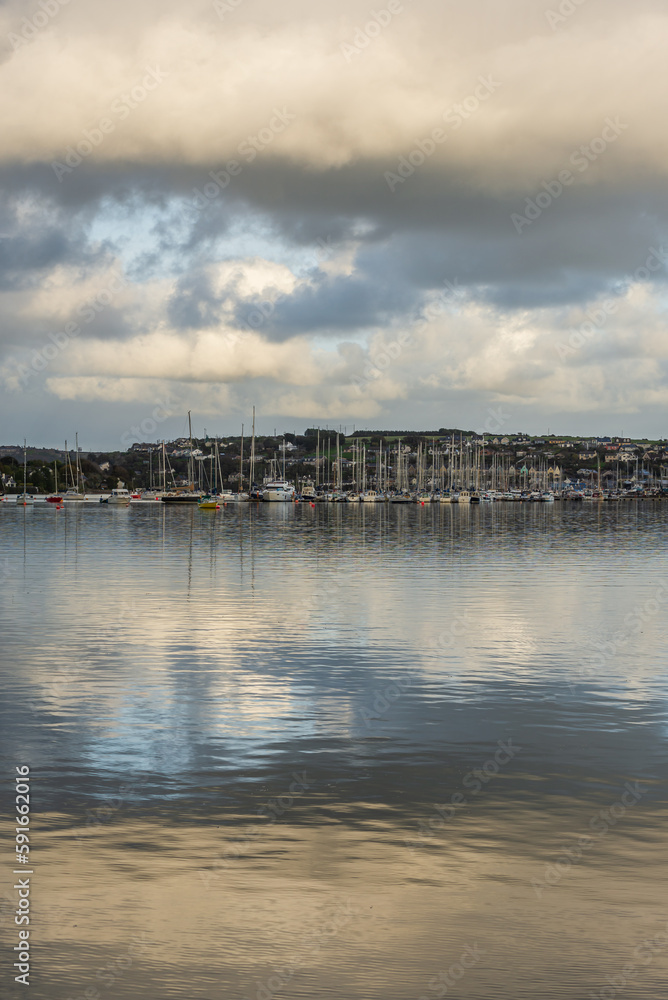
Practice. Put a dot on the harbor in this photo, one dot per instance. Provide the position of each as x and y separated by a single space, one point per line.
325 466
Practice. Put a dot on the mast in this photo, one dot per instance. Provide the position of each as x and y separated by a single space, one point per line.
55 475
220 471
76 457
191 471
25 470
251 471
483 462
317 461
338 464
241 462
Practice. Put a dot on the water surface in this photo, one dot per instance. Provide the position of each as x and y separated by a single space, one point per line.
350 751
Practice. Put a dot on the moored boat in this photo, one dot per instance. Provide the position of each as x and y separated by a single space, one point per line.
209 503
185 497
278 491
117 498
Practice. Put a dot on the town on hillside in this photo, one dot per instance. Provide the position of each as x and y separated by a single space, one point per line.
428 460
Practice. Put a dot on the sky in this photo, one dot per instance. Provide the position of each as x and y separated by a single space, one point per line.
415 215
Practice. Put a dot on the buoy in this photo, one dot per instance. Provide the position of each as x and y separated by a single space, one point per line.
217 506
312 504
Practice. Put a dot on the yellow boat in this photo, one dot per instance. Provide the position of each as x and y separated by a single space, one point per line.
208 503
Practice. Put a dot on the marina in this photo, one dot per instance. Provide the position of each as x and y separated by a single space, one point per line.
285 492
323 466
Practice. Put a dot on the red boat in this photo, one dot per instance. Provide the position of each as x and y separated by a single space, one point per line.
54 499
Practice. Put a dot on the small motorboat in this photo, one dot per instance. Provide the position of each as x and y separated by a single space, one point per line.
117 498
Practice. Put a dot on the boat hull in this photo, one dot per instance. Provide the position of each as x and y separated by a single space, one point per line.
182 498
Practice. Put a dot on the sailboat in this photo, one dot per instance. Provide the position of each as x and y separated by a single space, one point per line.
188 495
73 493
54 497
23 498
279 490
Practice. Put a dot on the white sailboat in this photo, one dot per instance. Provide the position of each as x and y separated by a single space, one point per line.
73 493
25 499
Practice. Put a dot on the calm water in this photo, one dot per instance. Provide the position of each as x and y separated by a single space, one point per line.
344 752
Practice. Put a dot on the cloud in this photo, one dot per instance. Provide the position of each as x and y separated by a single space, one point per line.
229 173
